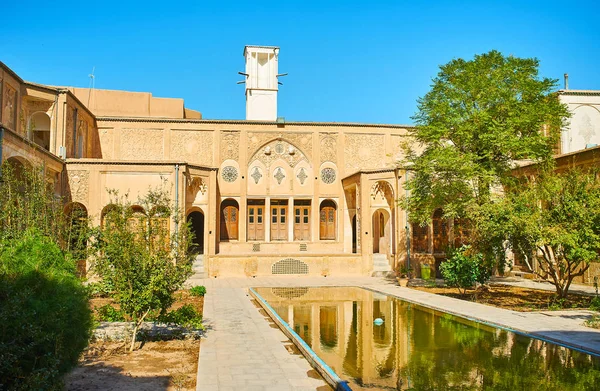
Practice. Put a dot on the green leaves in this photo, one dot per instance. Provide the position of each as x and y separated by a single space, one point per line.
464 268
478 118
139 256
555 220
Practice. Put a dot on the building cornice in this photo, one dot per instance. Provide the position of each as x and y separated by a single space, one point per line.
138 163
580 92
248 122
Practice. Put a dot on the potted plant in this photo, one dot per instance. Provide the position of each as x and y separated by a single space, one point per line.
405 275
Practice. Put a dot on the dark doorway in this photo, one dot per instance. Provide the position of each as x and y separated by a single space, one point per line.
354 233
196 220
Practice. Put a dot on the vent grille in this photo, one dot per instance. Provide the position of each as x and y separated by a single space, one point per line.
289 266
303 247
289 293
256 247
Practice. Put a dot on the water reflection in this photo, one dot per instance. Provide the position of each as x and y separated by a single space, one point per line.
420 349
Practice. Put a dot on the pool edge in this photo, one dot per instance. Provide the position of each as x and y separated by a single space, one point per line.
315 361
534 335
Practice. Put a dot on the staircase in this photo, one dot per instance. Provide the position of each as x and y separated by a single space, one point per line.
199 272
381 266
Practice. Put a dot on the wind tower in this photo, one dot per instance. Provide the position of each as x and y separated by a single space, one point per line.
261 82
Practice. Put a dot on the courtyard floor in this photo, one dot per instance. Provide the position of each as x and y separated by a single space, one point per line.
242 349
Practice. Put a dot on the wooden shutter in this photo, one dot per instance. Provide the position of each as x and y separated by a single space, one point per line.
256 226
301 222
327 221
229 221
279 222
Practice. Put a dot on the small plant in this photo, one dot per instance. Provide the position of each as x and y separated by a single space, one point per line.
186 316
463 269
101 288
593 322
556 304
406 271
595 304
198 291
108 313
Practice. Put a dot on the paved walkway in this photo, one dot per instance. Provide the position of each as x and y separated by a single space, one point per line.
243 351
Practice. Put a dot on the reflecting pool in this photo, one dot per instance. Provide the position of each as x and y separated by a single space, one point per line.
416 348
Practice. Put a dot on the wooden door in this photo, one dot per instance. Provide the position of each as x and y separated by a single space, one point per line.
301 222
279 222
327 217
256 225
229 222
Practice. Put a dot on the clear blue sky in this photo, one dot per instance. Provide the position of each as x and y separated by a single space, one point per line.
347 61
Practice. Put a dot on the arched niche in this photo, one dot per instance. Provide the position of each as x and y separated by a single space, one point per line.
230 220
39 129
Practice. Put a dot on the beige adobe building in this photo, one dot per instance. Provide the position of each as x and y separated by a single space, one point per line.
264 195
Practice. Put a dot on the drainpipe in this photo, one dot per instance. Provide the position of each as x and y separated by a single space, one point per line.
1 146
176 195
407 225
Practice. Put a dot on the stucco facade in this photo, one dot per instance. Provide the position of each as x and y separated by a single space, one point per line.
264 196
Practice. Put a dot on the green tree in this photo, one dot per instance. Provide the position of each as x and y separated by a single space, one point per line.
45 320
28 202
139 256
479 117
553 221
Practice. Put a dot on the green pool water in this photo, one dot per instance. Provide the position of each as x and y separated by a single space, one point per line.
416 348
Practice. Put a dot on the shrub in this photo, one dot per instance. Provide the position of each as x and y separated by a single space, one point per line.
463 269
595 304
108 313
198 291
139 257
186 316
45 322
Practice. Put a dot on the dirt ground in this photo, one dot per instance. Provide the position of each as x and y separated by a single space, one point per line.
164 365
513 298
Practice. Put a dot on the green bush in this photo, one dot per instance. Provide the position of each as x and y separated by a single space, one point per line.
45 321
186 316
198 291
108 313
595 304
463 269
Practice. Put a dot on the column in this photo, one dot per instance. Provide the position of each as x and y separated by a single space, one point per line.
267 219
290 219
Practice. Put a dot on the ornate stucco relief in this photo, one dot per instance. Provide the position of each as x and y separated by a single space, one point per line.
397 147
142 144
106 143
328 144
79 186
364 151
192 146
299 140
9 109
279 149
230 146
33 106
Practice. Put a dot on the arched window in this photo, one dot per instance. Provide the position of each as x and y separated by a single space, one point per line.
327 220
229 220
462 232
39 129
420 237
440 232
77 218
108 212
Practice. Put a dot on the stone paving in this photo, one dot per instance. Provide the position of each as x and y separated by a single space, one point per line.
243 351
